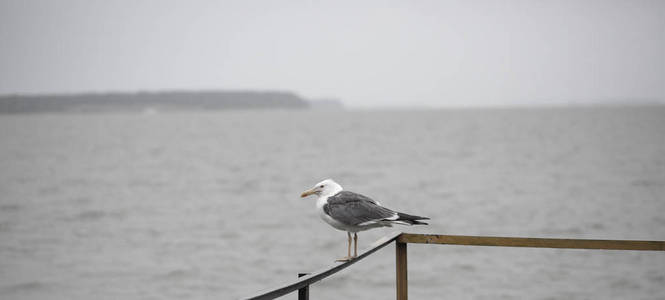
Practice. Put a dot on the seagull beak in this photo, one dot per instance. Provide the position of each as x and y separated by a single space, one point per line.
307 193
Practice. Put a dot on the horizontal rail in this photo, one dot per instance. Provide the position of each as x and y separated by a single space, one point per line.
325 272
531 242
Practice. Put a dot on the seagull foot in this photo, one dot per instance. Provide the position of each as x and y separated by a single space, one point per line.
346 258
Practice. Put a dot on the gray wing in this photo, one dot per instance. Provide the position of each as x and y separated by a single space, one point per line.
353 209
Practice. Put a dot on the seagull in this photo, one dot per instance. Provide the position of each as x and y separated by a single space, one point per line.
352 212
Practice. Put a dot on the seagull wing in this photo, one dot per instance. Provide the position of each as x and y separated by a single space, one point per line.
355 209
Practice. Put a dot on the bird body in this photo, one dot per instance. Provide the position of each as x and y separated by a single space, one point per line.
352 212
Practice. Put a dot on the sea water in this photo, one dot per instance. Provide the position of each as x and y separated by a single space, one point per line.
205 205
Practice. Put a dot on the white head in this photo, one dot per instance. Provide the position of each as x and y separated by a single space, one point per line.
327 187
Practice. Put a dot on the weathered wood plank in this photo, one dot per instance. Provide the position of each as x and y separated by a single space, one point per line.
531 242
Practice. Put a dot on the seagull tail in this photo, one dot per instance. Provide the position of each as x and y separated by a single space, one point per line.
411 219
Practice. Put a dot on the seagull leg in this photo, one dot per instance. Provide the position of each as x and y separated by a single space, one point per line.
355 247
348 256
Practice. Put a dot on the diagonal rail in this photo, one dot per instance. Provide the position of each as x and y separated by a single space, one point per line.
323 273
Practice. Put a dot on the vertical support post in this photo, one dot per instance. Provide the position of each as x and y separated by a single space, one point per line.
401 271
303 293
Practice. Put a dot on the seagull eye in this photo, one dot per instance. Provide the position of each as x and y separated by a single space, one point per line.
321 186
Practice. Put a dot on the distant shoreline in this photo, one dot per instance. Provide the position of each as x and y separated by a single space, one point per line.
159 101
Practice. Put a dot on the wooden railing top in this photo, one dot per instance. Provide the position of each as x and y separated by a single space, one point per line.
531 242
325 272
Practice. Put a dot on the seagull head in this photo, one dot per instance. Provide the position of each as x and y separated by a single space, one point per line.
327 187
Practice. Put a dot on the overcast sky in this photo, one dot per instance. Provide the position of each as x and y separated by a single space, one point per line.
367 53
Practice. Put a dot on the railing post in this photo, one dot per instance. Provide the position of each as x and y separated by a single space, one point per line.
303 293
401 271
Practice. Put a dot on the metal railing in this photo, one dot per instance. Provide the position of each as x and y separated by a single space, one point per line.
402 239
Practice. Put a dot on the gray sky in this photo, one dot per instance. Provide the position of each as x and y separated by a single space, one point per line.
367 53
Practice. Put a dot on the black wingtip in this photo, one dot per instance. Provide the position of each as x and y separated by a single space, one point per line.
411 219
